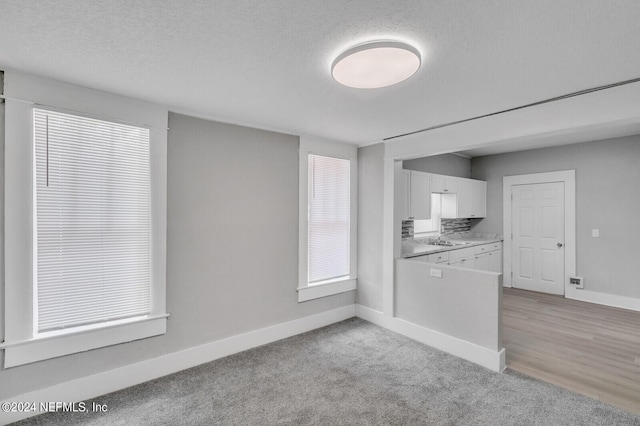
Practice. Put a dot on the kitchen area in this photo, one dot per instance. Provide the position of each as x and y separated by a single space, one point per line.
448 278
437 213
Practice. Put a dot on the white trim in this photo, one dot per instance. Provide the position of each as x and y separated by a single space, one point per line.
493 360
18 222
624 302
32 350
568 177
318 146
326 289
19 191
110 381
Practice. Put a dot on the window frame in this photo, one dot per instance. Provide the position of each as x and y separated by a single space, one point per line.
327 148
23 93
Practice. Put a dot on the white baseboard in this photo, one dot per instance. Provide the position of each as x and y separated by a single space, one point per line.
493 360
110 381
613 300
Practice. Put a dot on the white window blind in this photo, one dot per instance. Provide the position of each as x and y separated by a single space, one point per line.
329 218
93 221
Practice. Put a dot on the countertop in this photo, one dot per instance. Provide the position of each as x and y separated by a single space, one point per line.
420 246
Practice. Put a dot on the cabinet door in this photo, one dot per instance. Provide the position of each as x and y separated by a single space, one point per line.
463 253
495 261
491 261
420 195
483 262
478 198
465 198
451 184
442 257
467 262
469 202
444 184
403 194
437 183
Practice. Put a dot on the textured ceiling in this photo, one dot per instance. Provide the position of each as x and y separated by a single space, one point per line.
266 63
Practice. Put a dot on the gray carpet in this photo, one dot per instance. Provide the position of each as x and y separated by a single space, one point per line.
348 373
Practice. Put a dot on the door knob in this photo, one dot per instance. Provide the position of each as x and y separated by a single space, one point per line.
559 245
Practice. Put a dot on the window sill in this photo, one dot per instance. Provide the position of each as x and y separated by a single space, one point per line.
317 291
41 348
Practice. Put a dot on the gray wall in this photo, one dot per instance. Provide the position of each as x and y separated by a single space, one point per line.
232 243
370 225
607 198
446 164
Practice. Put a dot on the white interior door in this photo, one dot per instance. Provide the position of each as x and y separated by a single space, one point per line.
538 237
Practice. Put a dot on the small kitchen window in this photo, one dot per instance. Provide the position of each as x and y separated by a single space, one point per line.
430 227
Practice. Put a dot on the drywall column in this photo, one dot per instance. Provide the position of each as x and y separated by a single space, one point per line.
370 225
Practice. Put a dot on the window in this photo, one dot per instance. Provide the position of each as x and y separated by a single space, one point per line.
431 226
327 218
92 247
85 219
329 206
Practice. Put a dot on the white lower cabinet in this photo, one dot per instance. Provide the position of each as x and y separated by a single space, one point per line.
488 257
489 262
462 258
485 257
442 257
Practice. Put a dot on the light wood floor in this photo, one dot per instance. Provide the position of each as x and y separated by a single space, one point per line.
589 349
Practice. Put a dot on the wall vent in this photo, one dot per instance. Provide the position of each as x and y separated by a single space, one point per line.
576 282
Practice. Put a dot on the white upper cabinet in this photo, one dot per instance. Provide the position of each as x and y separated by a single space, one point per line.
403 194
472 198
420 195
413 193
444 184
470 201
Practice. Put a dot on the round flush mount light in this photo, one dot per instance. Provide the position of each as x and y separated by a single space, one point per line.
376 64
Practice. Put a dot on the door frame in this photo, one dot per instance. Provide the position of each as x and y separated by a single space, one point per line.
568 177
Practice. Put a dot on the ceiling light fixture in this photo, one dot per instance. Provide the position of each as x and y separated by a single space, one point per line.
376 64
